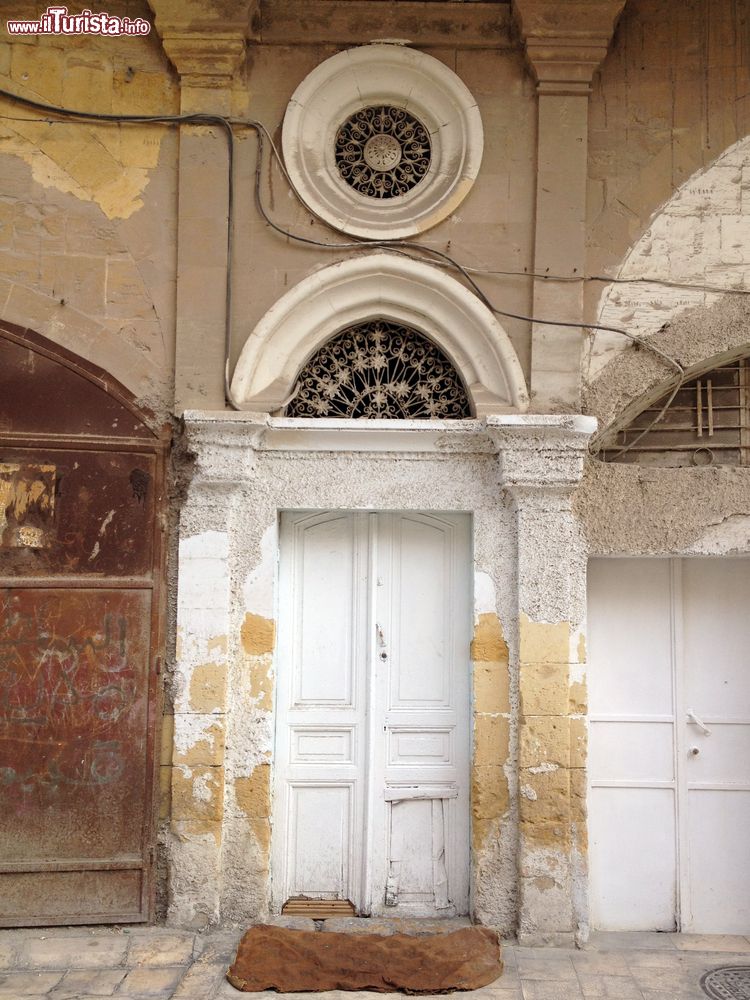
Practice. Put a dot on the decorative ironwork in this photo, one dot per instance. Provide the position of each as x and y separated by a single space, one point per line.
379 370
730 982
383 152
707 423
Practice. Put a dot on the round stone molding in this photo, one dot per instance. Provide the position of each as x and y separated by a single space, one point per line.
380 286
356 196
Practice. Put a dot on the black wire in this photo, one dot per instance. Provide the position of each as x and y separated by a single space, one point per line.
398 246
189 119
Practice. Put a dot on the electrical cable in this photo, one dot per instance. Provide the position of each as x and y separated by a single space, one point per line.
406 247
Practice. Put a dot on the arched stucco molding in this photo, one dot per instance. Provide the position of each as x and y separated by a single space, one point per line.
700 237
395 288
702 339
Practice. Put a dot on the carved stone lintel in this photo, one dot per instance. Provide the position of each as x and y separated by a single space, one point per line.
566 42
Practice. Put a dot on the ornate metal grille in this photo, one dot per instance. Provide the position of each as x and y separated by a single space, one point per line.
379 370
382 152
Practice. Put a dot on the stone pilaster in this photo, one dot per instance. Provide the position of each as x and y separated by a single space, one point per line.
541 462
206 44
565 43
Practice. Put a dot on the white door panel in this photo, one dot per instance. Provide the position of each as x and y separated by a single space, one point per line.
373 711
666 633
632 859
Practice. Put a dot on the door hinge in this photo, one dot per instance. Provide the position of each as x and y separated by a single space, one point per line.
157 666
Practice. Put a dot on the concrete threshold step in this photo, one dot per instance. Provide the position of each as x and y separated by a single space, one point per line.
415 926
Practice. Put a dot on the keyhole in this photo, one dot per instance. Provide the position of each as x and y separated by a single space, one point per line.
384 655
694 751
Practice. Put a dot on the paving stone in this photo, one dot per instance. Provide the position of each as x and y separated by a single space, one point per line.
533 969
711 942
630 940
616 987
58 952
25 984
601 963
550 990
202 980
150 982
162 949
8 954
99 983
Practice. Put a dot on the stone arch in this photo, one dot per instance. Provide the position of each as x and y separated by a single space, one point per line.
394 288
695 253
700 340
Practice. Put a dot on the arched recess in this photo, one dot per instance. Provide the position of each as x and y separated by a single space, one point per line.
82 495
695 253
394 288
700 340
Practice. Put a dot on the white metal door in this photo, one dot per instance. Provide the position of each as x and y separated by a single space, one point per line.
669 750
371 799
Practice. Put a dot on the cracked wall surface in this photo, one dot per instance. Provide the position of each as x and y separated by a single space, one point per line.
88 211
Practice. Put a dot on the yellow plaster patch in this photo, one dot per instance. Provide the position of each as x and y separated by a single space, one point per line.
109 165
253 793
261 830
165 791
578 700
261 682
491 686
257 634
545 741
544 642
167 739
488 642
578 810
491 733
208 687
578 742
217 645
581 648
191 829
544 688
208 750
197 794
545 796
537 833
489 802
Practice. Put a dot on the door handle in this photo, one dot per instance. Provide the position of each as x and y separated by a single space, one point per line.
692 717
379 633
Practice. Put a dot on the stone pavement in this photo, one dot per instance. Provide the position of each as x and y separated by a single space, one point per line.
159 963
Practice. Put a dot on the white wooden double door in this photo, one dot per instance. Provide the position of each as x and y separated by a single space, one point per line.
371 763
669 747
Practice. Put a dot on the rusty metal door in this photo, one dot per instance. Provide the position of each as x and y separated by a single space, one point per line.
81 611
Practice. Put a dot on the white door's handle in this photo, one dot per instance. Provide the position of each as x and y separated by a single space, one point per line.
381 637
692 717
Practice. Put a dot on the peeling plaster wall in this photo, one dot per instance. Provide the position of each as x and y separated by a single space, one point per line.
671 97
629 510
248 515
88 212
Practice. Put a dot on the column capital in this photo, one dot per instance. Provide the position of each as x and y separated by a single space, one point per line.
540 455
205 42
566 40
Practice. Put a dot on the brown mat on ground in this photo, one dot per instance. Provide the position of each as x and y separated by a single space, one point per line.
275 958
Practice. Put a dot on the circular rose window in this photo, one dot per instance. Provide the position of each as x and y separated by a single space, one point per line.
382 141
